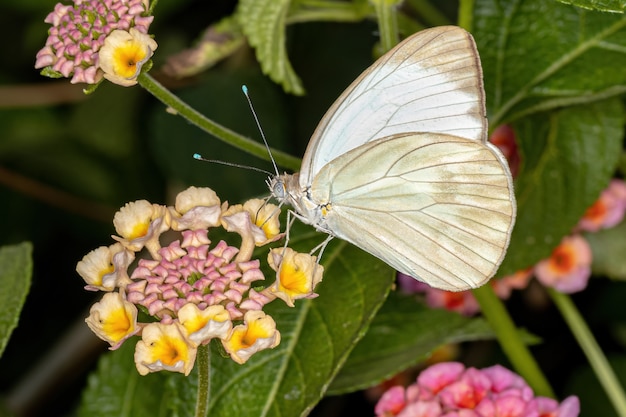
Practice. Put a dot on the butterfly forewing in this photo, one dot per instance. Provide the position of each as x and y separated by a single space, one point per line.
431 82
433 206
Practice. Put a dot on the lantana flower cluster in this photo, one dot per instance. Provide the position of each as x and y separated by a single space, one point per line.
192 290
568 268
92 39
449 389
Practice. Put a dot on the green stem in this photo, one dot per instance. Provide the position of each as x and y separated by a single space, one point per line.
429 13
510 340
332 11
466 14
590 347
202 363
232 138
386 12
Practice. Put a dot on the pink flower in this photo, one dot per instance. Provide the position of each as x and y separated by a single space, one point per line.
439 376
391 402
467 391
608 210
449 389
78 32
569 266
516 281
463 302
547 407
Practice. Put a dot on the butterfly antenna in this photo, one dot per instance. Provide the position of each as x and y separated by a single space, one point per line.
230 164
244 88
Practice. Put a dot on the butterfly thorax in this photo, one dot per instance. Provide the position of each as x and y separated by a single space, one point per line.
287 190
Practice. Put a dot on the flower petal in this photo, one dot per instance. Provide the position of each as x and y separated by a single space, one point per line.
204 325
123 54
113 319
164 347
297 274
258 332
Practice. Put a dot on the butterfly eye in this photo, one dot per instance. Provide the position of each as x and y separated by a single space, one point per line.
278 188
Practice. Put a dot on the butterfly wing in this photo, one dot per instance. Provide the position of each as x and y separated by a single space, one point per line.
437 207
431 82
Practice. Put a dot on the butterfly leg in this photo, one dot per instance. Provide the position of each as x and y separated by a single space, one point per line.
291 217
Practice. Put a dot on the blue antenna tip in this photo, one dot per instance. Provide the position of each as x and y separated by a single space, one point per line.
197 156
244 88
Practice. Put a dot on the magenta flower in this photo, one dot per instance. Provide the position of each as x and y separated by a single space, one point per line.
79 31
569 266
449 389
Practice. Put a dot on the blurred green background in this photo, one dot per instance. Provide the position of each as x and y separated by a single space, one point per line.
69 161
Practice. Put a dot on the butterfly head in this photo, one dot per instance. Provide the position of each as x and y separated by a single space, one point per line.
284 188
276 184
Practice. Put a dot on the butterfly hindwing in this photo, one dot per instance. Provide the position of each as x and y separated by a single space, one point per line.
433 206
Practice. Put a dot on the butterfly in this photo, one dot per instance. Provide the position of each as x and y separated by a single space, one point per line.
400 166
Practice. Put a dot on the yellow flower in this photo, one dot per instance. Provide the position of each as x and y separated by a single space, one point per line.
203 325
258 332
140 224
254 218
264 216
94 267
164 347
113 319
256 222
297 274
123 54
104 268
196 208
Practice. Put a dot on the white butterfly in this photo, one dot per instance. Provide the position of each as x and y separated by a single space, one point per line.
400 166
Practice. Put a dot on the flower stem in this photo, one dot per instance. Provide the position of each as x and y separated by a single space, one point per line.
202 363
466 14
510 340
590 347
238 141
429 13
386 11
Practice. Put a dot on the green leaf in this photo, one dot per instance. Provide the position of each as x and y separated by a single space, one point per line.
404 333
264 22
617 6
539 55
568 158
16 269
608 247
49 72
116 389
218 41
